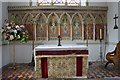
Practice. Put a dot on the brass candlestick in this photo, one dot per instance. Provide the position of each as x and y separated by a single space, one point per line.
14 56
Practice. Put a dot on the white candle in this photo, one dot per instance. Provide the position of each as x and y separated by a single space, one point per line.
100 33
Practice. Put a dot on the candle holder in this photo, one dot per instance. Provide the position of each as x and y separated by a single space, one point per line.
101 57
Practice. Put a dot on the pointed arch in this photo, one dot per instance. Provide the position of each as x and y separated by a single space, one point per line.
42 14
53 13
99 25
53 26
77 26
16 18
41 28
89 18
28 22
80 16
65 25
88 27
27 16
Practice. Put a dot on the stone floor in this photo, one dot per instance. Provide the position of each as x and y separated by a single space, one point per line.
26 72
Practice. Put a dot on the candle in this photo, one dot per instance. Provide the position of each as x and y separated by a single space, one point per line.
100 33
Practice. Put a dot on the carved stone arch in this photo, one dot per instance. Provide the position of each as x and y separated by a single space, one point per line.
99 19
16 18
51 15
28 22
41 27
99 26
80 16
104 17
26 16
37 16
66 14
53 26
89 18
65 25
88 27
77 26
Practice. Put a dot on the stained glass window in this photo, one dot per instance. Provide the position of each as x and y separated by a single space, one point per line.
44 2
73 2
58 2
83 2
61 2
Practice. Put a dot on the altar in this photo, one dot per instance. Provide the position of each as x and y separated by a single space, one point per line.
66 61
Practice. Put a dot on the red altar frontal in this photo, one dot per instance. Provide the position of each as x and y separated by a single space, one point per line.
65 61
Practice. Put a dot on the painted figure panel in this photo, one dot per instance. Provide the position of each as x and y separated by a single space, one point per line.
41 28
53 27
77 28
65 27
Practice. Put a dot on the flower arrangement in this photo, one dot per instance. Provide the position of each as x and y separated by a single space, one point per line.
12 31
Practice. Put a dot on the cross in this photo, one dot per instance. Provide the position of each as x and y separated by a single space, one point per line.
59 44
115 27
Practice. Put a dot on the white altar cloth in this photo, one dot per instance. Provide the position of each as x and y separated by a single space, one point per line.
63 47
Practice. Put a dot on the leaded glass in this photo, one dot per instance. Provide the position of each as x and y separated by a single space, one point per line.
44 2
73 2
58 2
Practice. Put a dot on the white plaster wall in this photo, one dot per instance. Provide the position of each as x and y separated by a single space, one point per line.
5 48
6 54
119 21
23 53
18 4
112 33
97 4
0 35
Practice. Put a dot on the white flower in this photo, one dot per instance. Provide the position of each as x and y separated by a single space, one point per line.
17 26
11 37
8 27
18 36
23 32
15 31
22 26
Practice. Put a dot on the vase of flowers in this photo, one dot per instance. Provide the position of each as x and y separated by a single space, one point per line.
14 32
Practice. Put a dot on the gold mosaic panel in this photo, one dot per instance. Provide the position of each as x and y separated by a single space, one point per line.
62 67
85 66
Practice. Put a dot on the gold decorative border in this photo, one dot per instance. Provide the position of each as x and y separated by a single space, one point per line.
37 57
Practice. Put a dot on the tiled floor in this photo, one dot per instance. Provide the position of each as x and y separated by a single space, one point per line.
26 72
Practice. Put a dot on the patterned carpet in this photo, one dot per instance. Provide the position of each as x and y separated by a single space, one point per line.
26 72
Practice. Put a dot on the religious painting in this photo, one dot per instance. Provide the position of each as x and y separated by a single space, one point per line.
58 2
41 28
99 28
44 2
73 2
76 27
88 28
53 27
65 27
